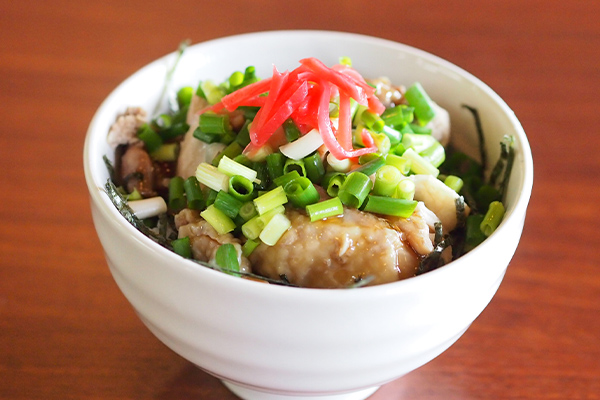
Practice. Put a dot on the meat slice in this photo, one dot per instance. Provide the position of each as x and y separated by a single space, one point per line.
205 240
337 252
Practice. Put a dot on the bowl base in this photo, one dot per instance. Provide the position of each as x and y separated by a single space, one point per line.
253 394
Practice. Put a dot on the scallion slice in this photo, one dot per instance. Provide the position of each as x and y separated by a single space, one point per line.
423 105
270 200
228 204
313 164
355 189
176 194
182 247
492 218
301 192
231 168
210 176
218 220
193 193
325 209
419 165
390 206
241 188
386 180
226 257
274 229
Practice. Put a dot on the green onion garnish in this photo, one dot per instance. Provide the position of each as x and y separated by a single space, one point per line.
314 167
419 165
492 218
241 188
423 105
228 204
226 258
386 180
150 138
231 168
275 162
176 197
390 206
270 200
193 193
301 192
325 209
210 176
274 229
218 220
182 247
355 189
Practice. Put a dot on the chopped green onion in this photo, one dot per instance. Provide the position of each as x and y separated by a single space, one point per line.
228 204
313 164
150 138
134 195
398 116
182 247
274 229
212 92
184 96
302 146
218 220
421 130
275 162
365 158
301 192
339 165
241 188
417 142
291 130
236 79
243 136
252 228
371 166
485 195
166 152
325 209
262 175
405 190
231 168
423 105
332 182
242 159
270 200
206 137
211 195
248 211
193 193
403 164
176 197
386 180
210 176
390 206
435 154
419 165
393 135
227 258
249 247
492 218
382 141
294 165
232 150
372 121
149 207
284 179
214 123
355 189
454 182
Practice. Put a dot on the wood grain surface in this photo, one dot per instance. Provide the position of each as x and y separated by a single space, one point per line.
66 332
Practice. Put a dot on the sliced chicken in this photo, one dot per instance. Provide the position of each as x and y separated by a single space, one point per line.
337 252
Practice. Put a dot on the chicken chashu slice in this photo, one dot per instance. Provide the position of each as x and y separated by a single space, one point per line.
339 251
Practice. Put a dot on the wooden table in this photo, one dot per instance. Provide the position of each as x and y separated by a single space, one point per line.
66 332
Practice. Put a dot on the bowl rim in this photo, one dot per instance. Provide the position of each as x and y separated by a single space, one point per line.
519 208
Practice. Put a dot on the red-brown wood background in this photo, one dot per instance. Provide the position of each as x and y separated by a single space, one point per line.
66 332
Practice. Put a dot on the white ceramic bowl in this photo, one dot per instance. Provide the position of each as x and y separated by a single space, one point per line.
273 342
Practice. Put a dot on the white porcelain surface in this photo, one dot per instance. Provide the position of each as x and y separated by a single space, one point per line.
275 341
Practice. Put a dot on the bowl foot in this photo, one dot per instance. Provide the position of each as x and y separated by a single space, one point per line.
253 394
